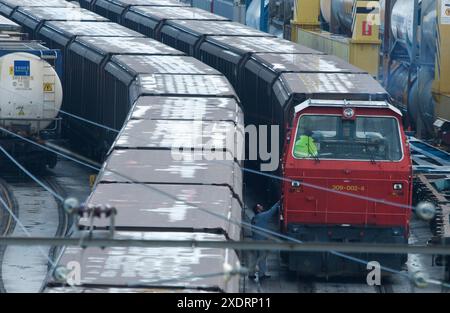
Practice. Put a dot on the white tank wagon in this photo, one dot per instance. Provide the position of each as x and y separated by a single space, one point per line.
31 93
30 101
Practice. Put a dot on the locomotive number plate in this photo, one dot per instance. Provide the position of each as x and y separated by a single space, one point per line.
354 188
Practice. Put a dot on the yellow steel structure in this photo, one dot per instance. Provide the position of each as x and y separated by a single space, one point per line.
441 84
361 50
306 16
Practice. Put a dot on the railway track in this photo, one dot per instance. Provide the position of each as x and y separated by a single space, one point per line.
24 269
7 222
283 281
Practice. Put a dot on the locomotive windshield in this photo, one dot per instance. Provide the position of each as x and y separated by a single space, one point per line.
363 138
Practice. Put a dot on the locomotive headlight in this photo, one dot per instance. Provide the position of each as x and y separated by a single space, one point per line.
398 186
295 184
349 113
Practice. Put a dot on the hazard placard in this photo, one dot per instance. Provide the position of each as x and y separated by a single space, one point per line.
366 28
48 87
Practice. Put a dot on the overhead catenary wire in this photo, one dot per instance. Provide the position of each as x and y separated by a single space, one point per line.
29 174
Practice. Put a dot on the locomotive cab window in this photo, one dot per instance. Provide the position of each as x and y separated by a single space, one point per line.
364 138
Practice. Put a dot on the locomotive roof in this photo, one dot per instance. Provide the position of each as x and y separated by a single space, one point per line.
345 103
176 13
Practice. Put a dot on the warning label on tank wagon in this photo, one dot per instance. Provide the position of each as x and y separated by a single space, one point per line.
21 68
445 12
48 87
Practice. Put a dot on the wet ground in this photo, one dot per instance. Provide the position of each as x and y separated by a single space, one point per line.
24 269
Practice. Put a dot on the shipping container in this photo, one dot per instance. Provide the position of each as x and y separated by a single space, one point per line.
7 7
149 20
187 36
58 35
171 167
114 9
122 269
159 208
86 4
229 54
187 108
32 19
217 136
181 85
121 72
86 78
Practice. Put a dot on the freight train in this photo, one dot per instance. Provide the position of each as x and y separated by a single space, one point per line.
31 96
157 97
154 91
273 77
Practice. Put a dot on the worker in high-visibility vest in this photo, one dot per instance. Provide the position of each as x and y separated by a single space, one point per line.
305 146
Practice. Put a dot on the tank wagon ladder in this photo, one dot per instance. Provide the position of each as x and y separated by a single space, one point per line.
49 83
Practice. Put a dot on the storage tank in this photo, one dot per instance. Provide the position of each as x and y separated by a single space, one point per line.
402 22
419 98
402 18
339 12
31 93
419 95
342 12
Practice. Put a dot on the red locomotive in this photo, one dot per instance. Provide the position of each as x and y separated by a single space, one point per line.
349 179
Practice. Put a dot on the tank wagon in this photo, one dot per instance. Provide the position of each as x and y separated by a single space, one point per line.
274 78
31 95
162 99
